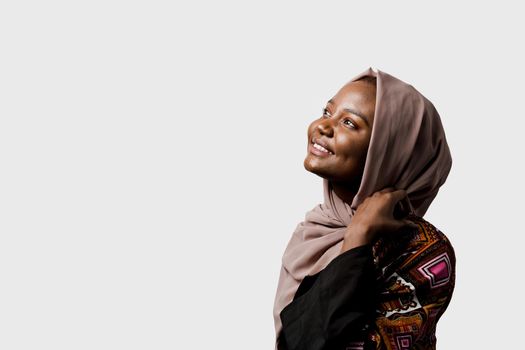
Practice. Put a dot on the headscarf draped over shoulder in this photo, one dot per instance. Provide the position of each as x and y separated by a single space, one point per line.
408 150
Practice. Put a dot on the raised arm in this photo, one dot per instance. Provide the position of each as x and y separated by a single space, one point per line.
344 305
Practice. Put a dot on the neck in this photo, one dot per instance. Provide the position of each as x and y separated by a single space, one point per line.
344 191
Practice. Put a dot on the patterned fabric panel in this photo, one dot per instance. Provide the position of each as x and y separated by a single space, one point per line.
416 275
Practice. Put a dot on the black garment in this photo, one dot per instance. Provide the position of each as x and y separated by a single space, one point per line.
332 307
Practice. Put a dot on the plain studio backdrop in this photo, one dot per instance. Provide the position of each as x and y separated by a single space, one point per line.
151 158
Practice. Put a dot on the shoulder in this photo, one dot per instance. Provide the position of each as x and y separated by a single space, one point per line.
430 240
425 253
428 228
416 271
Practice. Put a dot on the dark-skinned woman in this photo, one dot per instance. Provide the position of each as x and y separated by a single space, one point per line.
364 270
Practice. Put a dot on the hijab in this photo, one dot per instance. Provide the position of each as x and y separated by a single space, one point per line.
408 150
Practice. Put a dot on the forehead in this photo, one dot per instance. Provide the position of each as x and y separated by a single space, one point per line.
358 95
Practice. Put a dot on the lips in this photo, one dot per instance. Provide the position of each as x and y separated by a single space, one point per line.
322 143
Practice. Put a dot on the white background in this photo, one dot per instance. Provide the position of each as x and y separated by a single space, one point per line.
151 161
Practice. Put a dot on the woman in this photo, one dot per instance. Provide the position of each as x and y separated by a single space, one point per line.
364 270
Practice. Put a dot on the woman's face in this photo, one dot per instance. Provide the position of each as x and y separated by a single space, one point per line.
344 129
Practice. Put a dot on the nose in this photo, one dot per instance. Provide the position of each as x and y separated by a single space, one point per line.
325 127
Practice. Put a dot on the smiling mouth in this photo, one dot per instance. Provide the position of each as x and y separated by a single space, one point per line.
320 145
319 150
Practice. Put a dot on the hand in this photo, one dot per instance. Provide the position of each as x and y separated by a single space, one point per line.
376 214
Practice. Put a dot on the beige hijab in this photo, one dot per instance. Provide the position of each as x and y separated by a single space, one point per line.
408 150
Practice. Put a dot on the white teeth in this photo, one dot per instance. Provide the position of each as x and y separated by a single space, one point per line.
321 148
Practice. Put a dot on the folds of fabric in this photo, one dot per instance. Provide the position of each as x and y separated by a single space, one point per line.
408 150
388 296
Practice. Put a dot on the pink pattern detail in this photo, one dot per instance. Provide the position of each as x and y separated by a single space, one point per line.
437 270
404 341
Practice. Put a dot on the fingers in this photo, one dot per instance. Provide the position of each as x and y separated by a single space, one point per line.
397 194
387 189
393 190
395 206
398 198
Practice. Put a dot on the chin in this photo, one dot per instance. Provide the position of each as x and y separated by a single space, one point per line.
315 171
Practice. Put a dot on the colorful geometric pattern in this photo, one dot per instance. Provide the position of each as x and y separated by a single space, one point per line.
405 300
404 341
415 279
437 270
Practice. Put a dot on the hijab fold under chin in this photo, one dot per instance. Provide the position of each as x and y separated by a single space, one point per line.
408 150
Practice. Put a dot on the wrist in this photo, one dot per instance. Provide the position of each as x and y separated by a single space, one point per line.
353 242
356 236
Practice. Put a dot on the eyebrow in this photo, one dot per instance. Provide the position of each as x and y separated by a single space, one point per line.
353 111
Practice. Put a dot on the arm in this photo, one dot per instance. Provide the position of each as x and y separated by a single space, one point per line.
333 305
415 292
330 312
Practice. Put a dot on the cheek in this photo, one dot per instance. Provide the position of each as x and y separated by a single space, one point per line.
352 149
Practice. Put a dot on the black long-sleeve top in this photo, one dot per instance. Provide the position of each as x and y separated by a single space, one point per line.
332 305
389 295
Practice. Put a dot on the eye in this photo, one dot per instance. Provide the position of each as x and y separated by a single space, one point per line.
351 122
325 112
